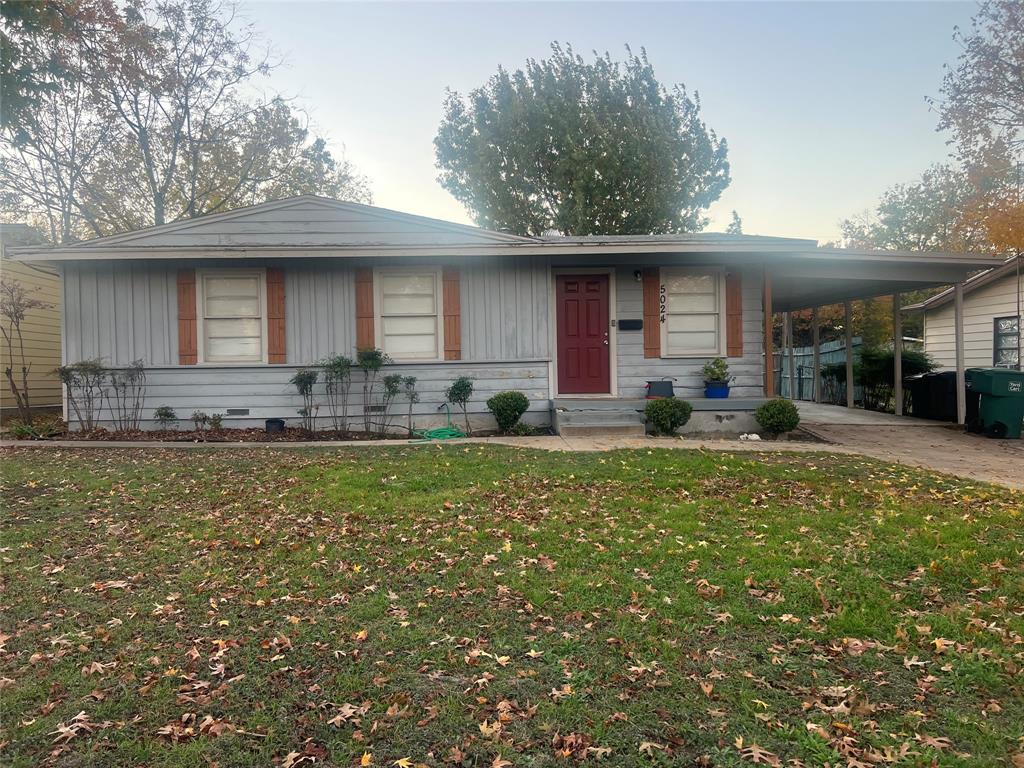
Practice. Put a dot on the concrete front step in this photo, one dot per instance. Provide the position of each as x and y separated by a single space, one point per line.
621 429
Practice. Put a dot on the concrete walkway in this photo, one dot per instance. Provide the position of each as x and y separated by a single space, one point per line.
930 445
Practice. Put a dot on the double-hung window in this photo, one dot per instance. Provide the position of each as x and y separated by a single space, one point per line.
409 313
233 317
1006 342
691 302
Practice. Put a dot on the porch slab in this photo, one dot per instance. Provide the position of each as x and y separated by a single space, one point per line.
639 403
816 414
590 417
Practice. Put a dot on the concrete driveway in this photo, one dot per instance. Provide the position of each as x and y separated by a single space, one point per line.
930 444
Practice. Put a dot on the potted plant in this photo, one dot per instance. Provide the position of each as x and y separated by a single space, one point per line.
716 378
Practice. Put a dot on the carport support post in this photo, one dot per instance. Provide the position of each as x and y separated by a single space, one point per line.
769 353
958 331
792 356
897 354
848 326
816 333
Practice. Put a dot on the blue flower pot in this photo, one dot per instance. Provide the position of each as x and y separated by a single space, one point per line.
716 390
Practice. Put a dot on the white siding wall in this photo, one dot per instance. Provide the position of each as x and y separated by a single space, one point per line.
997 299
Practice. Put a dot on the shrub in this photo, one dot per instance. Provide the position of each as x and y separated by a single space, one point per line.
717 370
86 383
43 427
126 395
508 408
338 381
216 421
370 360
667 415
303 381
165 416
392 387
200 419
458 394
411 396
777 416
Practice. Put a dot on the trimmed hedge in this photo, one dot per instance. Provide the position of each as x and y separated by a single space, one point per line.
777 416
667 415
508 408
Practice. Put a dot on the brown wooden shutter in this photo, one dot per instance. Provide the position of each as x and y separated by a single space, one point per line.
188 344
365 336
276 352
734 314
452 314
652 312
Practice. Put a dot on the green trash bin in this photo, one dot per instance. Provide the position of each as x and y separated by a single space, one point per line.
1001 410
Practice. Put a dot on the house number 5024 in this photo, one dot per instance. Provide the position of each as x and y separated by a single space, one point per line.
663 302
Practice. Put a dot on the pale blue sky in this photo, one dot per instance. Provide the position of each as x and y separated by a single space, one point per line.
823 104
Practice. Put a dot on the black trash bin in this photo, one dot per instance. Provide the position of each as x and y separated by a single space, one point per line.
917 387
942 395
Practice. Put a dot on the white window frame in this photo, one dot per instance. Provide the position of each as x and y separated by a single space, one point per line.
719 275
378 305
201 275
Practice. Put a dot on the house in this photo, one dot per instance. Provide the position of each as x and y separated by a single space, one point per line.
991 319
40 329
223 309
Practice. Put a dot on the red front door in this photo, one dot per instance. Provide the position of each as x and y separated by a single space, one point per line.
583 334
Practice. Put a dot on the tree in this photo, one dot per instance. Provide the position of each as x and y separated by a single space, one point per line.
581 148
30 65
735 225
15 304
158 121
929 214
982 100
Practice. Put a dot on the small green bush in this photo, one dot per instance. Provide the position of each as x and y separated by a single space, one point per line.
508 408
216 421
777 416
667 415
165 416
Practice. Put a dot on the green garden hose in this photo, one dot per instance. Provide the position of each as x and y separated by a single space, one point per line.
448 432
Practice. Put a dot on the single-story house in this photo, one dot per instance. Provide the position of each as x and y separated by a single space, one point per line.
223 309
40 328
992 312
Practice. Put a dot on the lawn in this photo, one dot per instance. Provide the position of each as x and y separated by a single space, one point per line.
488 606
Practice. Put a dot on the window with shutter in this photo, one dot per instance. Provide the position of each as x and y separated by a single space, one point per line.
232 316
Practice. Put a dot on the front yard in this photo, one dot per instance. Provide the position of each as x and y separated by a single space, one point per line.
488 606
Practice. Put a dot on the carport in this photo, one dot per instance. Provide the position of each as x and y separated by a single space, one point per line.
814 278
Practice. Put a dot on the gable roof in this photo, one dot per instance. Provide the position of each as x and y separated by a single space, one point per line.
1005 269
306 220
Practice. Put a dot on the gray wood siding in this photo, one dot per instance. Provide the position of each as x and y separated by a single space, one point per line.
634 369
123 311
120 312
506 309
265 391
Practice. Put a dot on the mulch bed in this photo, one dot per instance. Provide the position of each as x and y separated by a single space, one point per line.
225 435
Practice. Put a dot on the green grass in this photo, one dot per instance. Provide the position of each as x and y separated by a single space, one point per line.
469 605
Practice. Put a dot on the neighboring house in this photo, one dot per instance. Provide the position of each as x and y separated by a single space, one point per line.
41 327
223 309
992 307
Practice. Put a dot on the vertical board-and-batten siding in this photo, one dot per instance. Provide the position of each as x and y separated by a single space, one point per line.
981 306
120 312
128 310
635 368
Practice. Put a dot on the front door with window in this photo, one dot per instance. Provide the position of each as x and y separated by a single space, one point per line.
584 360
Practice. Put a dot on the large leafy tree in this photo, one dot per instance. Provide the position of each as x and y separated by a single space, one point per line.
581 147
155 118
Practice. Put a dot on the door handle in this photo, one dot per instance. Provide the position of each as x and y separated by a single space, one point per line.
605 342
